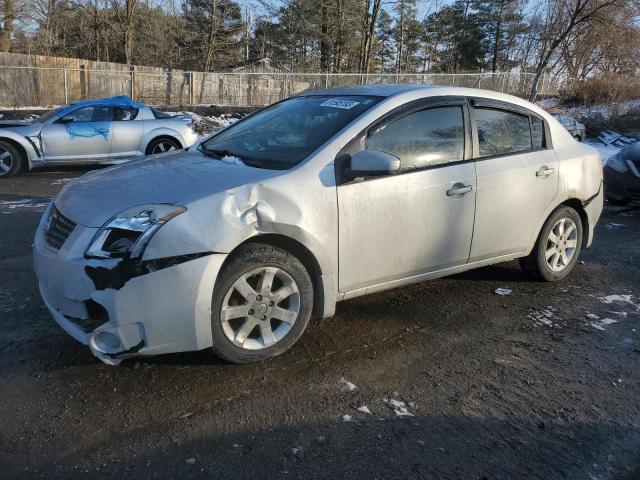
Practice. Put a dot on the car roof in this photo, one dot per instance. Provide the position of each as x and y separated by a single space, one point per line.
378 90
117 101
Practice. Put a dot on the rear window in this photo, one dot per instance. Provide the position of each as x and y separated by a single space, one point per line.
537 132
501 132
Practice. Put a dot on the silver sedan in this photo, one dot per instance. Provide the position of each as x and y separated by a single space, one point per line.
107 131
236 243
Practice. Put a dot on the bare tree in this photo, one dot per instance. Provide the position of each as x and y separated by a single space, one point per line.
560 19
125 15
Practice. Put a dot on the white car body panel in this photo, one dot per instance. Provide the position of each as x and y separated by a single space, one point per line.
365 237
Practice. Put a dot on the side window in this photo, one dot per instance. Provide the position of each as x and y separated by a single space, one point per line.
537 132
90 114
124 113
422 139
501 132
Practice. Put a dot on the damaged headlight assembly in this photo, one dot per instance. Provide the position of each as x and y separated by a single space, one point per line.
127 234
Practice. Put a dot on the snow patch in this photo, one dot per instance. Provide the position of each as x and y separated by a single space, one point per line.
546 317
615 226
364 409
230 159
347 418
346 385
398 407
503 291
601 323
10 206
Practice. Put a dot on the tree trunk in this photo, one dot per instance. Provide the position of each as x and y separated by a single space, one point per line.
7 29
496 43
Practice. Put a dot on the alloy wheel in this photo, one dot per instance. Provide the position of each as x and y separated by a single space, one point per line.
562 243
6 161
260 308
163 146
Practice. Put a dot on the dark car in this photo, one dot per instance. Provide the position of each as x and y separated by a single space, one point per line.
575 128
622 175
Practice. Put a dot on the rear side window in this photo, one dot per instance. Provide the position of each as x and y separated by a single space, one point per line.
501 132
160 114
537 132
124 113
422 139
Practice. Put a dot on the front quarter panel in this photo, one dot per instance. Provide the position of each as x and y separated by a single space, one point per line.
299 204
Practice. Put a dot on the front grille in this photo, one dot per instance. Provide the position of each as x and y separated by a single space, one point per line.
58 229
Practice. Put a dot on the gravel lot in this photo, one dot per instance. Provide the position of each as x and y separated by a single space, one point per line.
527 385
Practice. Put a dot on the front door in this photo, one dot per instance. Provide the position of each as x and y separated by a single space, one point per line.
517 181
83 134
418 220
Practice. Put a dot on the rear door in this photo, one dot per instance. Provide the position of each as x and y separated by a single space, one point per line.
83 134
517 175
127 128
420 219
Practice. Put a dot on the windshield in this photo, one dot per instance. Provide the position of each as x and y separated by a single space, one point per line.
50 114
284 134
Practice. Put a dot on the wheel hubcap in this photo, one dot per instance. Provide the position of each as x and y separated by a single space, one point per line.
561 244
6 161
260 308
164 146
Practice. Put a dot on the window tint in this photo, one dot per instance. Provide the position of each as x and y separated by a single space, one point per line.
537 132
421 139
124 113
501 132
90 114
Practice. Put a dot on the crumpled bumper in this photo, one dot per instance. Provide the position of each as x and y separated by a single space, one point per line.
163 311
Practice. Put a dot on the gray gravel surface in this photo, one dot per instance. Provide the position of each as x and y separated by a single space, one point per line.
514 386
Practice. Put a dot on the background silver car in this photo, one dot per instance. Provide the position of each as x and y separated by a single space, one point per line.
236 242
110 130
575 128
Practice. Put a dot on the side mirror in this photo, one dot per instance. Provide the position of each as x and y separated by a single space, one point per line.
65 120
372 163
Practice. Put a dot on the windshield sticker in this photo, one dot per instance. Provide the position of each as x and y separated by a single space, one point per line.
337 103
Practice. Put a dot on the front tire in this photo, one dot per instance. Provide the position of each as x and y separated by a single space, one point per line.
261 304
10 160
558 246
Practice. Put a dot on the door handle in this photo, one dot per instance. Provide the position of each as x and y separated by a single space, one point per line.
545 171
459 189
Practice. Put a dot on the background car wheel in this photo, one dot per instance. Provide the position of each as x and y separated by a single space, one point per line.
558 246
578 138
10 160
161 145
261 304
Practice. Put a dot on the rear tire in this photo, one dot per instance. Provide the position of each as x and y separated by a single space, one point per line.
10 160
558 246
162 145
577 138
261 304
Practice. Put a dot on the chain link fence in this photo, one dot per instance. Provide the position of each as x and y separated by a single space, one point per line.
41 87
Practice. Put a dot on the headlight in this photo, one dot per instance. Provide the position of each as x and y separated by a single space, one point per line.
618 163
128 233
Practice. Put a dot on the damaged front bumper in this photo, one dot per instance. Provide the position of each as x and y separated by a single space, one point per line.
163 308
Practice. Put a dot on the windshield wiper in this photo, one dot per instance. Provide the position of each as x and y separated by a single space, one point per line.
220 152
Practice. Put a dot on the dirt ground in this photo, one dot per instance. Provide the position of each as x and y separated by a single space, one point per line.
526 385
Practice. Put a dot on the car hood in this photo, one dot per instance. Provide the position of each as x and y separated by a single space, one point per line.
14 123
175 177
